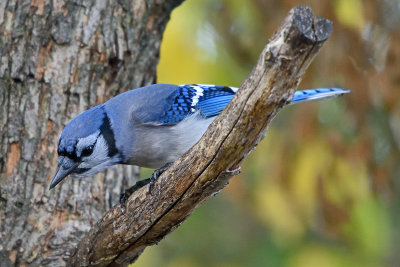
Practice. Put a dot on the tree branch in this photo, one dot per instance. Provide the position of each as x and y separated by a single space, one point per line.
119 239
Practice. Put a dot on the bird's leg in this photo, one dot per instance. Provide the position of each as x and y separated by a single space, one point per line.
128 192
150 181
156 174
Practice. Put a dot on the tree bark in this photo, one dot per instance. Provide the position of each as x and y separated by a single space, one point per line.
118 239
57 59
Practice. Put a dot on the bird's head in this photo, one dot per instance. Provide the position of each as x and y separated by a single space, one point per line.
86 146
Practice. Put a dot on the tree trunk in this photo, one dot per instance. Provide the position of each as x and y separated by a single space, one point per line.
57 59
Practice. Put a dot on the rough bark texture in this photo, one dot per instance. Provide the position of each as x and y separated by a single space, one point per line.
120 238
57 59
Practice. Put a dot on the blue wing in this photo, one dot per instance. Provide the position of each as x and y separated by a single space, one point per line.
208 100
169 104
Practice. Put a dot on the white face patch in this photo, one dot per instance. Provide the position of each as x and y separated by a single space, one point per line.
85 142
99 154
98 160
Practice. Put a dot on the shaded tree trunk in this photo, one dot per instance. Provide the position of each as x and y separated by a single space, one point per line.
57 59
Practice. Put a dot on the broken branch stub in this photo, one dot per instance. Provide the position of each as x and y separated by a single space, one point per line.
206 168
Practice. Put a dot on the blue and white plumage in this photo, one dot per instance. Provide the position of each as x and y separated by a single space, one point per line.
317 94
148 126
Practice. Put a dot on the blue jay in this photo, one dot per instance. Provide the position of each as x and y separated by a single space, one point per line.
149 127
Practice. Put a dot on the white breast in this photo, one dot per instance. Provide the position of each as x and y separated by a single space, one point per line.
156 145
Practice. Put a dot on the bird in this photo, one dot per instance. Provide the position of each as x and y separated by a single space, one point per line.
151 126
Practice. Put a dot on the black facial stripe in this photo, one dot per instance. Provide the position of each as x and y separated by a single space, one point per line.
108 135
72 155
81 170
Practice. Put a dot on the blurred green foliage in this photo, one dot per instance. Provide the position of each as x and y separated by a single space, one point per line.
323 188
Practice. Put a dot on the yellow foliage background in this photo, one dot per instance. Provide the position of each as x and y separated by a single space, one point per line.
322 189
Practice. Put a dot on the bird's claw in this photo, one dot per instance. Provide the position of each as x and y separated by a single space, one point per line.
156 174
122 199
150 181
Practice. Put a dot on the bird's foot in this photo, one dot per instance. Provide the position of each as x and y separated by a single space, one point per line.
150 181
156 174
128 192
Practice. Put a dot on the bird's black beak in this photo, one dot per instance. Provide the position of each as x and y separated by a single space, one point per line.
65 167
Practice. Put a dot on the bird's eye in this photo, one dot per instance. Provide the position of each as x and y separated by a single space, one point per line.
87 151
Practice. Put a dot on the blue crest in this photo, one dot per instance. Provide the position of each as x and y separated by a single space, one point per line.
83 125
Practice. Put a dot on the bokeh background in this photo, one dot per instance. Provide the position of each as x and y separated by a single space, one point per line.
322 189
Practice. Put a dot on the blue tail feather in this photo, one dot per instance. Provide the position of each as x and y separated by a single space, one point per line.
317 94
